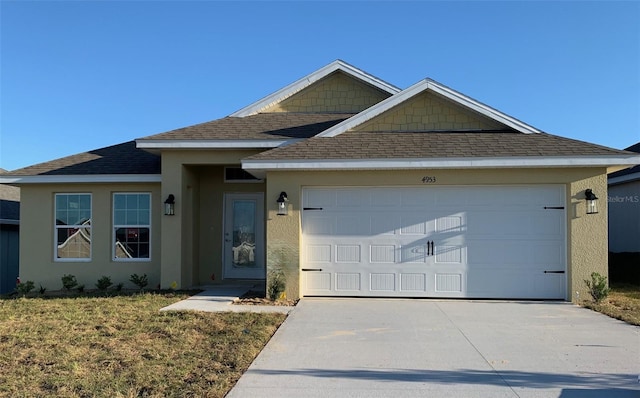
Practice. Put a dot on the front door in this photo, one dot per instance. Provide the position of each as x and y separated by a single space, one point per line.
244 236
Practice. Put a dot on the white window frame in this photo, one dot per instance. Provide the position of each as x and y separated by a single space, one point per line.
56 227
115 226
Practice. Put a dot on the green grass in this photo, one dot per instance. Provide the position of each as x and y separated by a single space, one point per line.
123 346
622 303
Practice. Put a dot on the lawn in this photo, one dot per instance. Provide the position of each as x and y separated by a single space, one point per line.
123 346
622 303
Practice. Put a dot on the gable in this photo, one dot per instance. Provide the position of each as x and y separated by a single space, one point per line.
336 92
429 111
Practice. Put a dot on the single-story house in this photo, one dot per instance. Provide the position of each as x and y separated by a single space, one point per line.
343 184
9 236
624 208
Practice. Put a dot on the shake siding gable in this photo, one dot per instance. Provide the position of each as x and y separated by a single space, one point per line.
334 93
429 112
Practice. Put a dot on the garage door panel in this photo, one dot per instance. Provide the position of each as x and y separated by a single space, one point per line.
383 282
318 282
384 224
382 254
489 242
318 253
414 253
416 282
346 281
348 253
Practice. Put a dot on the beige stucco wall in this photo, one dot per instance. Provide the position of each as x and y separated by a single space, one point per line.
624 217
191 239
37 237
335 93
429 111
586 234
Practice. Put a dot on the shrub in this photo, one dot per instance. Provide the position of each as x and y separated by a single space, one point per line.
104 283
42 289
69 282
140 281
598 287
25 287
277 284
80 288
119 286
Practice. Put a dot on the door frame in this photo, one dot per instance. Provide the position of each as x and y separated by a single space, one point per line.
260 237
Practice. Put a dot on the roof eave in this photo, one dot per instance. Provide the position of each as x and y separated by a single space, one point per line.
306 81
213 144
437 163
80 179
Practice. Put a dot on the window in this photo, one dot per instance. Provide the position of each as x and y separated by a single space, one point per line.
73 227
237 174
132 226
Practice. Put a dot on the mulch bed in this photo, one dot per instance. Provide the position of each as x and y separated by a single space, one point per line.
253 297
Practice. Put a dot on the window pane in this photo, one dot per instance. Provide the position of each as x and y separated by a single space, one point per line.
119 217
74 243
119 202
144 202
132 243
73 220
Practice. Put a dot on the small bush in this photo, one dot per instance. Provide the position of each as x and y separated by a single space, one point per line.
140 281
104 283
69 282
277 284
119 287
42 289
598 287
25 287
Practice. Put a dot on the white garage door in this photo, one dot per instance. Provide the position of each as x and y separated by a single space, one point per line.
476 242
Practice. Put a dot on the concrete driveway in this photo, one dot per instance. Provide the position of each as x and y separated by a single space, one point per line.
426 348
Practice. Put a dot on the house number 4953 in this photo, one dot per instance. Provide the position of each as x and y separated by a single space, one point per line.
428 179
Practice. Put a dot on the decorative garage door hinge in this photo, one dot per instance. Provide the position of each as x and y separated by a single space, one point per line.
554 207
312 269
554 272
312 208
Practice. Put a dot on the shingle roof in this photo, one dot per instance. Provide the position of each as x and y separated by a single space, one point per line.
415 145
123 158
262 126
632 170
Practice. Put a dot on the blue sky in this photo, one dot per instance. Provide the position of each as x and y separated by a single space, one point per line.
80 75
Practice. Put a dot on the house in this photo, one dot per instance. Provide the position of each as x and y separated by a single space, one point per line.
344 184
624 208
9 236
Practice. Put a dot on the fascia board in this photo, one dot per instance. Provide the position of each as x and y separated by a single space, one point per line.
84 178
624 178
212 144
421 86
437 163
310 79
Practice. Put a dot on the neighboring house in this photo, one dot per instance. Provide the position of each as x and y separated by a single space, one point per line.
344 183
624 209
9 236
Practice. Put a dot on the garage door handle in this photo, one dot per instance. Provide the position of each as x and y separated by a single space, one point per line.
312 269
554 272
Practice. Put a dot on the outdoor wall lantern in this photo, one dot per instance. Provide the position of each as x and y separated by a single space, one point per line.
592 201
170 205
282 204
